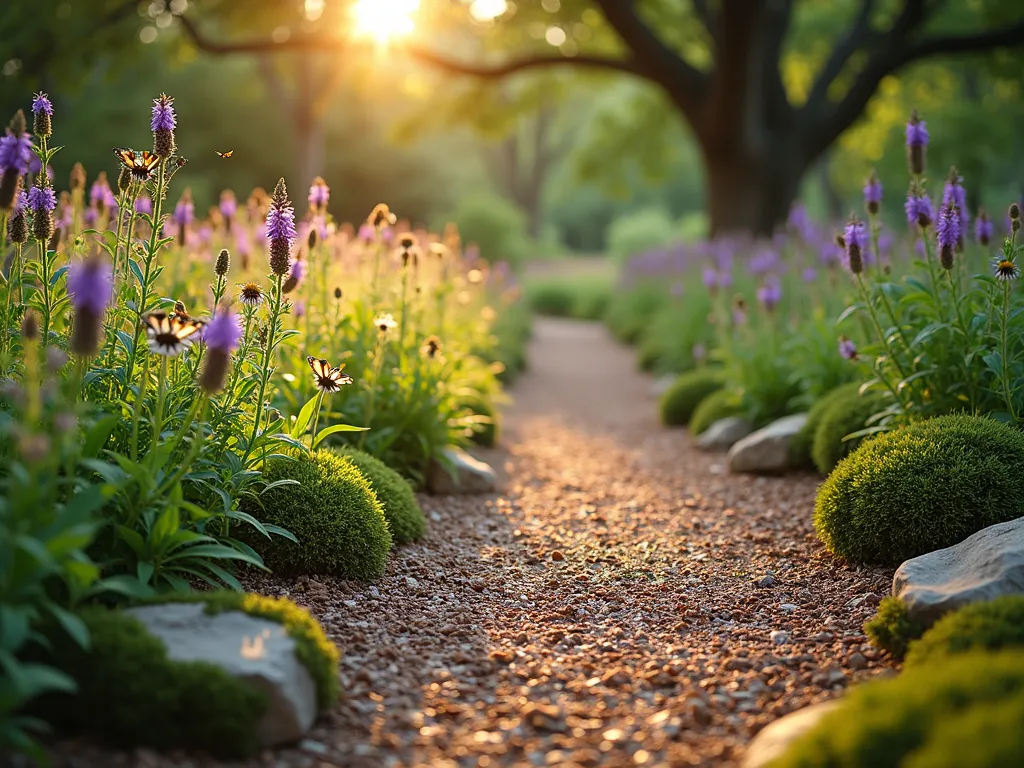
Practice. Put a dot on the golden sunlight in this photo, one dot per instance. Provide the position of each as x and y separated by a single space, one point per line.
384 20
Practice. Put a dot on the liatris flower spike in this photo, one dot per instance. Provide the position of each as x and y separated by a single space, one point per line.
223 263
295 275
41 202
221 337
855 241
769 293
17 223
919 209
1014 214
90 287
873 194
163 124
948 234
983 228
319 195
847 348
15 156
917 141
42 112
280 230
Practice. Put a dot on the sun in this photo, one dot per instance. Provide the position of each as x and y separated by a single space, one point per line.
384 20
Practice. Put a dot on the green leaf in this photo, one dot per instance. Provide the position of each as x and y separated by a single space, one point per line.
166 525
278 484
328 431
73 625
144 571
122 584
98 434
305 416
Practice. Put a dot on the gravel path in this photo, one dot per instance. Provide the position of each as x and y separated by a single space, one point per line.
624 602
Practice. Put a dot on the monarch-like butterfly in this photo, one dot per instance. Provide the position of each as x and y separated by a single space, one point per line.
180 312
325 378
170 334
141 164
229 153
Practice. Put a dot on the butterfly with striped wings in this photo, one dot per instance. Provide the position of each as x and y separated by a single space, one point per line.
170 334
325 378
141 164
229 153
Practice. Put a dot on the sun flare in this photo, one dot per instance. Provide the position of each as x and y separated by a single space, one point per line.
384 20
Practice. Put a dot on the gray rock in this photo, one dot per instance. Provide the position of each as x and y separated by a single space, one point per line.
724 434
774 739
985 565
470 475
767 450
779 636
256 650
662 383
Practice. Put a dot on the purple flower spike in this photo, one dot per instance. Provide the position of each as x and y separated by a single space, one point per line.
917 133
873 194
847 348
710 278
948 234
41 200
91 285
143 204
919 210
280 230
319 194
184 211
809 275
769 293
228 204
163 114
855 239
984 228
298 270
15 153
223 332
40 104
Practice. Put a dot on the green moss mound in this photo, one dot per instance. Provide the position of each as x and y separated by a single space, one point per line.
720 404
847 412
988 626
800 445
131 695
682 398
891 627
921 488
314 651
402 511
333 512
906 722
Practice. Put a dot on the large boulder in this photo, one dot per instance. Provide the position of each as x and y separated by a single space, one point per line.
766 451
467 475
985 565
772 741
257 650
724 434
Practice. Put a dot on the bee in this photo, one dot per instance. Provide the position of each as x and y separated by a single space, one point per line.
141 164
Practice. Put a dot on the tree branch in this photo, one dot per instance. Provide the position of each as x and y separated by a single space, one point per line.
258 45
629 65
852 41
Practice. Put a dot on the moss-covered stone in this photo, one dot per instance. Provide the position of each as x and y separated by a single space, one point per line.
988 626
402 511
847 412
720 404
333 512
800 446
921 488
686 393
130 694
891 628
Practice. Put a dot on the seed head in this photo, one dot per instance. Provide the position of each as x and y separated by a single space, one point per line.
337 293
30 326
17 223
124 180
223 263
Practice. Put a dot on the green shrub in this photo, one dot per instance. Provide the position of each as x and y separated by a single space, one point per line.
401 510
631 310
720 404
312 648
130 694
674 329
800 445
920 488
496 225
333 512
551 298
906 722
639 231
891 627
847 412
988 626
686 393
584 298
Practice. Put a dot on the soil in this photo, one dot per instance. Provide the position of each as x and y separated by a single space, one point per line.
623 602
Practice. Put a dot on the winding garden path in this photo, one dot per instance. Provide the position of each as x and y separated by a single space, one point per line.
624 601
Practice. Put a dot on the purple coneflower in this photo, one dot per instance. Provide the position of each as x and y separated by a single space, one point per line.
42 112
855 239
221 336
947 232
163 125
983 228
251 295
319 195
280 230
917 141
90 286
873 194
41 202
919 210
847 348
769 293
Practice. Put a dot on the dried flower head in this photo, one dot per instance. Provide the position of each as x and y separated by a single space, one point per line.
1014 211
42 113
223 263
280 229
17 222
312 237
1005 269
385 323
337 293
251 295
163 124
381 216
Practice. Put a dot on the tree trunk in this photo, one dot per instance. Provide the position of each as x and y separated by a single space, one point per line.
309 145
747 194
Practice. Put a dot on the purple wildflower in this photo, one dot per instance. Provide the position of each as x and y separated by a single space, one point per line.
15 153
223 332
41 200
228 205
855 239
280 230
917 141
765 260
948 234
847 348
163 125
184 211
873 194
366 233
90 216
710 278
100 193
983 228
809 275
295 275
42 112
769 293
919 210
319 194
724 279
90 285
144 205
299 310
41 103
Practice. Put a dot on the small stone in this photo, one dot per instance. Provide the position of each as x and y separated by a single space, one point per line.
767 450
410 581
467 476
787 608
374 593
774 739
313 747
824 637
857 661
767 581
557 556
724 434
779 636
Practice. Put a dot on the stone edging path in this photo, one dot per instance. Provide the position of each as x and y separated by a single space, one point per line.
624 602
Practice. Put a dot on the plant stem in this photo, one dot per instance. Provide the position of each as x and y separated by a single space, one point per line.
316 419
137 411
1007 394
161 395
44 262
378 364
881 335
268 352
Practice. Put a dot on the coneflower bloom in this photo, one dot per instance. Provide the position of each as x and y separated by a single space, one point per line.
947 233
169 335
1005 269
42 112
221 336
847 348
319 195
855 238
251 295
983 228
325 378
873 194
90 287
280 230
163 124
385 323
431 346
41 202
917 141
381 217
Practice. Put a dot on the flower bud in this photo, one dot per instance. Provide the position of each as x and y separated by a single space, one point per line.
223 263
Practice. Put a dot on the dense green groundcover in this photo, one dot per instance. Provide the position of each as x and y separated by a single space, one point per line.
891 627
131 695
989 626
401 510
720 404
686 393
920 488
948 716
334 513
800 445
847 412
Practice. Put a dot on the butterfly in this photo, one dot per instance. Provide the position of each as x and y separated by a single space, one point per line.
141 164
325 378
180 312
170 334
229 153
